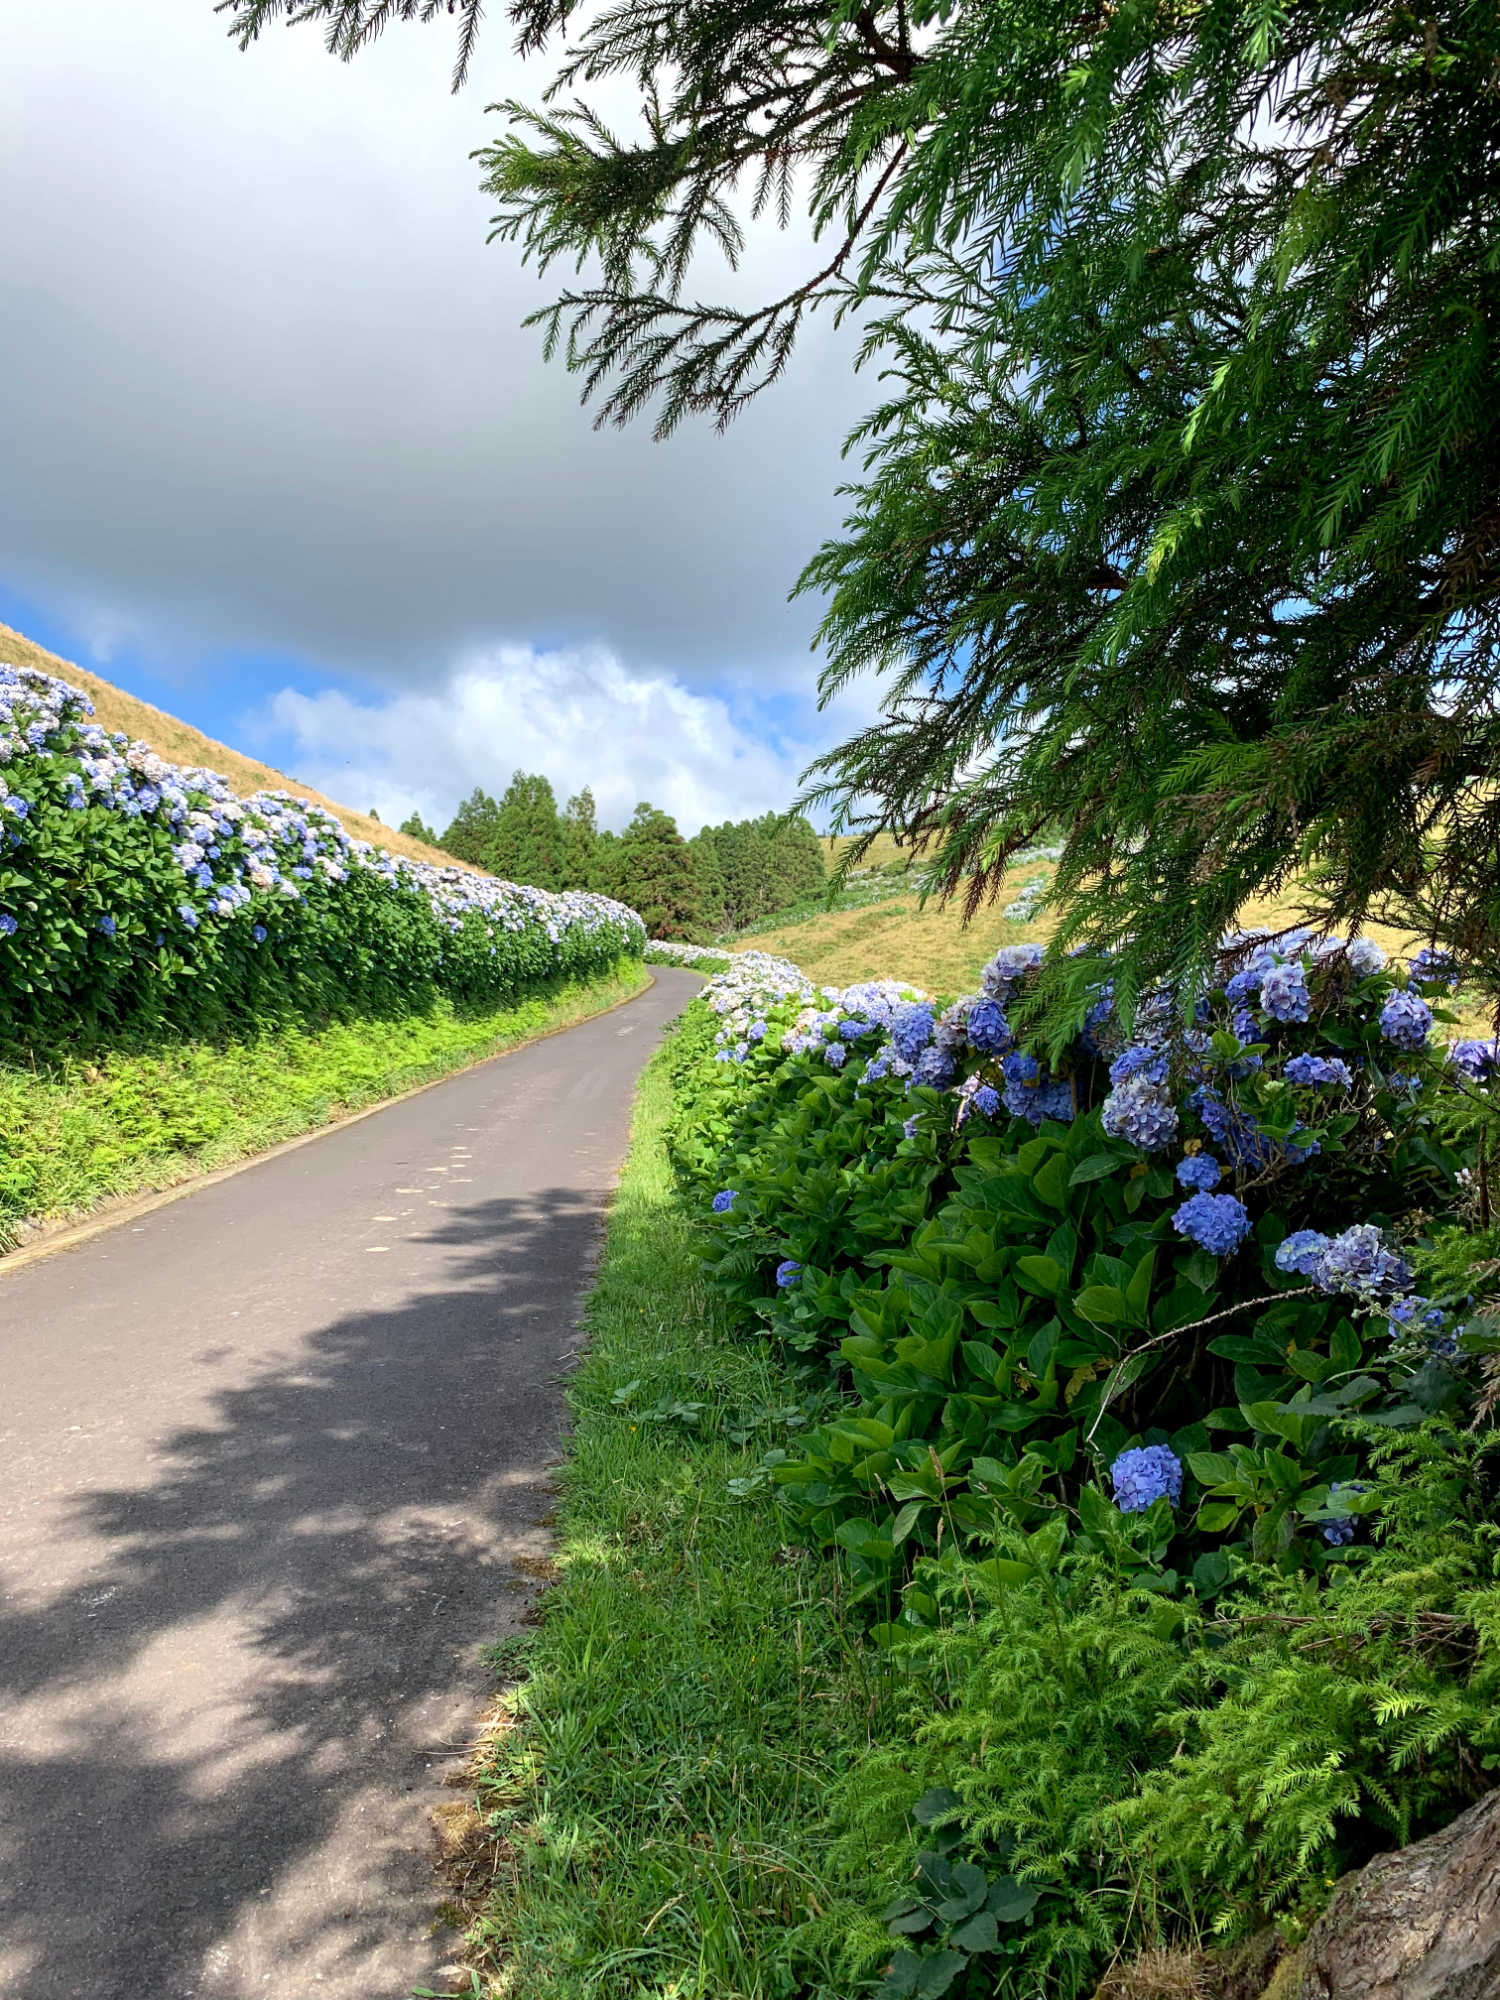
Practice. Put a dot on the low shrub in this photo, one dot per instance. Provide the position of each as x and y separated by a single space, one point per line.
138 896
1159 1456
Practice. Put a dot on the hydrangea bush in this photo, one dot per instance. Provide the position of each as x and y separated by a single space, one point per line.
1144 1411
134 893
1193 1239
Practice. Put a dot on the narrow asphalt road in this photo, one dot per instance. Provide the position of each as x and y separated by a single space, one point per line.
273 1469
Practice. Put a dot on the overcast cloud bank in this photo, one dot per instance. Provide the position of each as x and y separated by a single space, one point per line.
263 387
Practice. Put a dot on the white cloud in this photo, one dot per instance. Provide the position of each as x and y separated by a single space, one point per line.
576 714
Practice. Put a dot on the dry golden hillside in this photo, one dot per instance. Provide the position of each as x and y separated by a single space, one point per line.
932 945
185 745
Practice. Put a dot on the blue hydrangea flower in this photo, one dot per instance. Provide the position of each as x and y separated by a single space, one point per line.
876 1068
934 1068
1245 1026
911 1029
786 1273
724 1200
106 925
1140 1110
1324 1072
1302 1252
835 1055
909 1127
1284 994
188 915
1434 968
756 1032
1338 1534
1475 1059
989 1031
1143 1476
1406 1019
258 932
987 1100
1140 1059
8 924
1199 1170
19 808
1365 956
1236 1133
1218 1222
1357 1260
1011 964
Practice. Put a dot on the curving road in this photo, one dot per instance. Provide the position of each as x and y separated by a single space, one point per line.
273 1461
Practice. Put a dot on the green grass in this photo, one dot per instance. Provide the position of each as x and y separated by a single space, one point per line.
80 1130
658 1797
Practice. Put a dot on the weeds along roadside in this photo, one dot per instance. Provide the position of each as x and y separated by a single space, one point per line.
88 1127
692 1697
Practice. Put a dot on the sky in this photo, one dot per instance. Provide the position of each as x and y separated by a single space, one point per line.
280 457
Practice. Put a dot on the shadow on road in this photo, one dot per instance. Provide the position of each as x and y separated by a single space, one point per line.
303 1585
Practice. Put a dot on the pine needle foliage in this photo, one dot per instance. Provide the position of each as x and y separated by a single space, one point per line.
1164 1771
1180 521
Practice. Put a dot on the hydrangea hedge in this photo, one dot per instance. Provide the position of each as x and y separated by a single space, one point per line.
1148 1322
136 895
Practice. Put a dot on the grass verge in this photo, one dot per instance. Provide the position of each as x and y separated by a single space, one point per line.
80 1131
656 1796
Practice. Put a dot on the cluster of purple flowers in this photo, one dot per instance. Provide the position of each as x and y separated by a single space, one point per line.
238 855
1358 1260
1406 1019
1145 1475
1218 1223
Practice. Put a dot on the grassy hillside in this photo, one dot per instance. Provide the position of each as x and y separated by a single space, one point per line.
896 936
185 745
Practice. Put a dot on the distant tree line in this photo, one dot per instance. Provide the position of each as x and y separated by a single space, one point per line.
723 879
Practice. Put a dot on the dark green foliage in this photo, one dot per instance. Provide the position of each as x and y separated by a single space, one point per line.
416 828
656 874
471 833
1116 1731
764 865
529 843
1157 1769
713 906
1180 521
578 865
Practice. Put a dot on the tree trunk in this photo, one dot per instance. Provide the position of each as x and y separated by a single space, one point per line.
1420 1924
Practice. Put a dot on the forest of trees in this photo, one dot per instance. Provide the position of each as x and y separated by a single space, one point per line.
723 879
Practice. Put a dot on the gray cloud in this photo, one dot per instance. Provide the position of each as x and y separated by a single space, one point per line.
263 385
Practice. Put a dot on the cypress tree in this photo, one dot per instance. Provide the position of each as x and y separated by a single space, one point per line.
656 874
527 845
471 833
580 839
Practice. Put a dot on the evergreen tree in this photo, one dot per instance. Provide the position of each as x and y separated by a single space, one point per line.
471 834
1179 526
604 869
528 839
656 874
745 860
580 839
794 859
712 914
417 829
